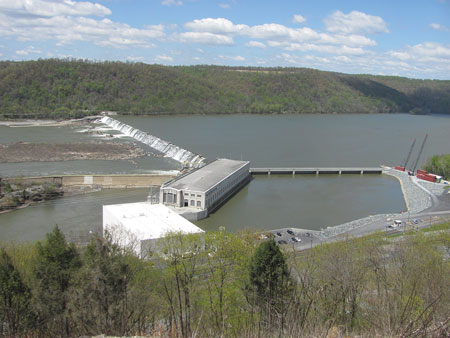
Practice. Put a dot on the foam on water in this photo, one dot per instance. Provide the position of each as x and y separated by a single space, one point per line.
168 149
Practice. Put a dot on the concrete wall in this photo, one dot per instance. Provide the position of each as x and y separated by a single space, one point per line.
104 181
117 181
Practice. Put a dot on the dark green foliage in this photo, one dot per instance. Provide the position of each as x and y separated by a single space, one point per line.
229 285
270 283
14 298
439 165
99 301
66 89
55 266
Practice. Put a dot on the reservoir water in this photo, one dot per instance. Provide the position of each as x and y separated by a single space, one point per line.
266 141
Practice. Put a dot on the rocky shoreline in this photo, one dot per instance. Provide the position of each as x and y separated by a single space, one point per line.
43 152
16 196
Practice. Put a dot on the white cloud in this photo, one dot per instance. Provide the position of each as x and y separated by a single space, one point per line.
206 38
217 26
135 58
28 50
255 44
293 59
275 32
67 29
224 6
298 18
424 52
439 27
48 8
238 58
306 47
172 2
342 58
164 58
235 58
355 22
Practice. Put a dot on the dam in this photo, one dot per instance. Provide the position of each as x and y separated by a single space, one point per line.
168 149
315 171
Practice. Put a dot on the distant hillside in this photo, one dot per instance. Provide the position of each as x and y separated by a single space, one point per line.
61 89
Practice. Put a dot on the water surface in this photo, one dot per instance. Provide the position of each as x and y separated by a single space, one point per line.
264 140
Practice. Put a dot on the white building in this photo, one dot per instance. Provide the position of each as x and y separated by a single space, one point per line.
139 225
204 190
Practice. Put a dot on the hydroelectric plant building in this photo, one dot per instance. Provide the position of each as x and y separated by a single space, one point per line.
203 190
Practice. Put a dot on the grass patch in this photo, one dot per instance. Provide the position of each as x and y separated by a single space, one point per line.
407 233
437 227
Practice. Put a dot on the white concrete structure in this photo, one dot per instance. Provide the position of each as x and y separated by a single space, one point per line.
140 224
203 190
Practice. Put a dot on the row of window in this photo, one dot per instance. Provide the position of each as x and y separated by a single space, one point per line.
224 187
192 204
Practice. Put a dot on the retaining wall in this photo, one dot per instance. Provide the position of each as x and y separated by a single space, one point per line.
104 181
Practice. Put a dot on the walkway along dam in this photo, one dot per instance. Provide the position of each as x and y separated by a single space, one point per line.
314 171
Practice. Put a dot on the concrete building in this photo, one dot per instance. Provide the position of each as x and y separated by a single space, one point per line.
200 192
139 225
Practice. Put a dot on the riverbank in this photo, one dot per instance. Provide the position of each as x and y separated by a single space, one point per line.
19 192
42 152
20 195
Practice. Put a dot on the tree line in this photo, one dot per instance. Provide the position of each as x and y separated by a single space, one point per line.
227 285
59 89
439 165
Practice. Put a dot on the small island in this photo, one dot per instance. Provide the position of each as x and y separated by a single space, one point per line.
41 152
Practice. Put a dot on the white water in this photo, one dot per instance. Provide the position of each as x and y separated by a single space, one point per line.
168 149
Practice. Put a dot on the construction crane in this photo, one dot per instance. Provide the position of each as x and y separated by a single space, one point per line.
420 153
409 154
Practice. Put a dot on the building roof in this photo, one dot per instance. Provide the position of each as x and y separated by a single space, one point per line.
146 221
208 176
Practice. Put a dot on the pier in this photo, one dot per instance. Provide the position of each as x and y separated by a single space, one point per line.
315 171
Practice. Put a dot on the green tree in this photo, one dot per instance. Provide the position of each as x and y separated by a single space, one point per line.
439 165
182 257
226 261
55 265
270 282
100 297
14 298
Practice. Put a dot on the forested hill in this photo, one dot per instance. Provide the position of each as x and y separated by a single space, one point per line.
61 89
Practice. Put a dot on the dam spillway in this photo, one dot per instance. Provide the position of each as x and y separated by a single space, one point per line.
169 150
315 171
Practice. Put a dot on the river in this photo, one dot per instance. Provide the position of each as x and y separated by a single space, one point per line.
266 141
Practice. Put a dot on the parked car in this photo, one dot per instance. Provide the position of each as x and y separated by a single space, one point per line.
282 241
278 233
290 232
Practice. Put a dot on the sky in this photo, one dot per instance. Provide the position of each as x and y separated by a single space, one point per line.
382 37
